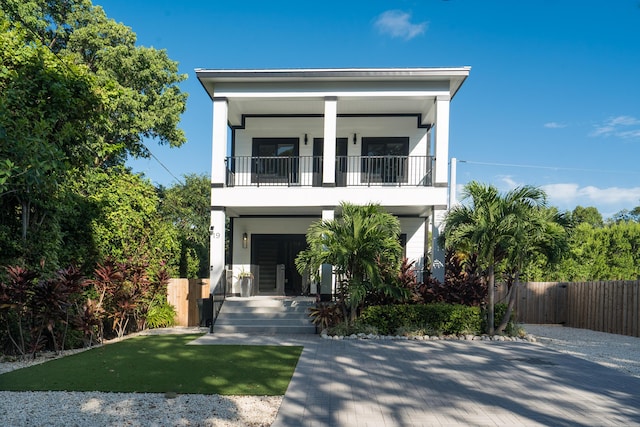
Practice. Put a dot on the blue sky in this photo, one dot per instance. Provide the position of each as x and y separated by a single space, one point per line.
552 100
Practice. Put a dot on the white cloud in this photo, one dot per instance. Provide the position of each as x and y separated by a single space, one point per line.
555 125
625 127
397 23
508 183
607 200
624 121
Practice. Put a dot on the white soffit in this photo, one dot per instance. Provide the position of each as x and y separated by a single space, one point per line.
359 91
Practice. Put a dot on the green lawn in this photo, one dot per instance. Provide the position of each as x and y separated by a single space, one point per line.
164 363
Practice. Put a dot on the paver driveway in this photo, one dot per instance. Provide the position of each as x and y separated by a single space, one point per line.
431 383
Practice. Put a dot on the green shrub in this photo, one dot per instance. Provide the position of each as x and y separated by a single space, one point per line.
439 318
161 315
499 310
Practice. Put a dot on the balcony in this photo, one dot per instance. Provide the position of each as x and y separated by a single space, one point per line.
351 171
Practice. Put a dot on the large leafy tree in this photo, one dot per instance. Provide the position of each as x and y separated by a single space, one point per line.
186 206
126 224
361 244
138 85
497 228
626 215
609 252
76 93
46 103
589 215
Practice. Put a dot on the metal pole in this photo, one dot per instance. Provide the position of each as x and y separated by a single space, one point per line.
452 183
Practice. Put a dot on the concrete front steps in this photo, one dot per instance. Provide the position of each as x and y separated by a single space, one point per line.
265 315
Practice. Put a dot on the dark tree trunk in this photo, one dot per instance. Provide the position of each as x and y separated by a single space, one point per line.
513 291
491 308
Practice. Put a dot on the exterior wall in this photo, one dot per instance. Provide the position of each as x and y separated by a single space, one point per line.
347 127
313 127
414 228
416 231
242 256
316 197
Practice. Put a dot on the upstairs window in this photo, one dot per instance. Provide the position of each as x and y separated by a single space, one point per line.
384 159
275 160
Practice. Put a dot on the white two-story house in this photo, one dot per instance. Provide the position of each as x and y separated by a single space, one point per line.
289 145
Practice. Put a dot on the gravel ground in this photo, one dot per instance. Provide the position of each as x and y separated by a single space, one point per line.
619 352
122 409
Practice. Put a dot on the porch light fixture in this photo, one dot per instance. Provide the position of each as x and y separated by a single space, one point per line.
245 240
354 139
305 139
211 228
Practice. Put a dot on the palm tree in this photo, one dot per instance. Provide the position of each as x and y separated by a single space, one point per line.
539 233
356 244
489 225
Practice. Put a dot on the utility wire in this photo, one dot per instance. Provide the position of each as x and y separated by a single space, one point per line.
163 166
557 168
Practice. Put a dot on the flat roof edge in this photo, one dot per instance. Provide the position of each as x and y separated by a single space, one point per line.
230 74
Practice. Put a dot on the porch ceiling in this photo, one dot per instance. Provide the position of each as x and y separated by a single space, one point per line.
307 106
367 91
316 211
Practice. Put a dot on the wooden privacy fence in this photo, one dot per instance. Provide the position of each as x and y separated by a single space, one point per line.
184 294
612 306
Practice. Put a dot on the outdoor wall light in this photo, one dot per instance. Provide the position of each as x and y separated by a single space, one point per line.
245 240
211 228
305 139
354 139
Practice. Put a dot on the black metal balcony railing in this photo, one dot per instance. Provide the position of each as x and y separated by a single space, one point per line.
306 171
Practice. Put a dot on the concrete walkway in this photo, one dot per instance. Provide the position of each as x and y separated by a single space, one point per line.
431 383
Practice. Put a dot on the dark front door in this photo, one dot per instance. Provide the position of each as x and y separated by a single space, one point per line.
275 255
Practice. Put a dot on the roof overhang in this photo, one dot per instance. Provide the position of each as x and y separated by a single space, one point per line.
358 90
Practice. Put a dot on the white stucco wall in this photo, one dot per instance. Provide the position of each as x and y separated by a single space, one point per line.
416 231
297 127
242 256
414 228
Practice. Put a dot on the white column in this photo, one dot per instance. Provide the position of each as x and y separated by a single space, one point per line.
437 255
452 183
216 245
441 141
326 271
219 142
329 154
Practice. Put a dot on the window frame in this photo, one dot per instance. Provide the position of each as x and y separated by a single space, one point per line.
385 168
275 169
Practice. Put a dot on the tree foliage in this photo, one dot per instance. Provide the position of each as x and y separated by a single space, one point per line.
186 207
127 223
361 244
504 231
610 252
77 97
137 86
46 104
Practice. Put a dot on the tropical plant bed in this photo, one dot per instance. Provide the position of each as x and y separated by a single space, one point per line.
164 364
412 321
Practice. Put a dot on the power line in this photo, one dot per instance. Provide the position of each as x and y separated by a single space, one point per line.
557 168
162 164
